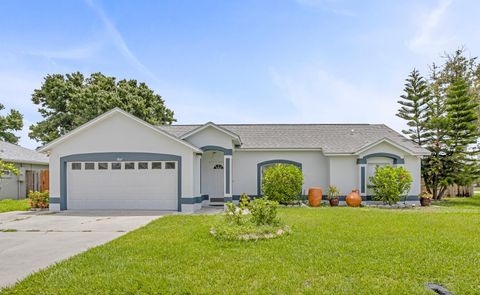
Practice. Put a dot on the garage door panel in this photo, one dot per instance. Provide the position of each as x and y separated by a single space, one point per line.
122 189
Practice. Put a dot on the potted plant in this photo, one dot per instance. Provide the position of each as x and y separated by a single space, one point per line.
332 195
425 198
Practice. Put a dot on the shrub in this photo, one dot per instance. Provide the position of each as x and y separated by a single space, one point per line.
264 212
390 184
233 214
244 201
38 199
282 183
332 192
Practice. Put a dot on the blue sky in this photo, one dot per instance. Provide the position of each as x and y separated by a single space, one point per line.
258 61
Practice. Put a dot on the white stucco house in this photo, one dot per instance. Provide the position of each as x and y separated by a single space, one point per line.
118 161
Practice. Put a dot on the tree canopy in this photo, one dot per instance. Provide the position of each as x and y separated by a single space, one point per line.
442 114
13 121
68 101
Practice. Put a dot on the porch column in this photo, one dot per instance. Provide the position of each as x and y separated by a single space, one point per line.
227 161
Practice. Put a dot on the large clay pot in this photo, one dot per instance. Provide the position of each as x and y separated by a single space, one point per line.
353 199
315 196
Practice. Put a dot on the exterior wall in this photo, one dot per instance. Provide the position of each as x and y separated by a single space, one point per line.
119 133
15 187
244 164
412 163
344 173
210 136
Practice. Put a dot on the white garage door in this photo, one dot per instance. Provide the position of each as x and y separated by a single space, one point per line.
122 185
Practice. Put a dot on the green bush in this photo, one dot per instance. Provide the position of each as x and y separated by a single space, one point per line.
282 183
264 212
38 199
390 184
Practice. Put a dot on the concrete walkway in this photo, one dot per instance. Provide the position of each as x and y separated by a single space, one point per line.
30 241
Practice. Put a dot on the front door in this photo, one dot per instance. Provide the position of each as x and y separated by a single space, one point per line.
212 176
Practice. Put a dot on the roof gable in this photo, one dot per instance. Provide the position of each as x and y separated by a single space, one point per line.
198 129
107 115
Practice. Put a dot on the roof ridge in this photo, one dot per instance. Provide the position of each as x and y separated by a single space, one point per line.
277 124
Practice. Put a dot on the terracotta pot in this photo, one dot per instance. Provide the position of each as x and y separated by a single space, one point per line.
353 199
315 196
333 202
425 202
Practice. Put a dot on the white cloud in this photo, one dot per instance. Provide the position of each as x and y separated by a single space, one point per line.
119 42
432 37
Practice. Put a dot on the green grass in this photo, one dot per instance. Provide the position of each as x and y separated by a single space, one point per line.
14 205
331 250
460 203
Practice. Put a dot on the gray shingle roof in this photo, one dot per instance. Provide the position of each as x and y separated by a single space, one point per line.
15 153
331 138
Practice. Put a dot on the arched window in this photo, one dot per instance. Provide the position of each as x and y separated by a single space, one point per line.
218 166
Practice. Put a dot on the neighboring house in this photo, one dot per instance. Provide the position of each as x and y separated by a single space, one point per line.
33 167
118 161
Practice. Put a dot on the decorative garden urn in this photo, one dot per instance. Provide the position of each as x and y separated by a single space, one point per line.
315 196
353 199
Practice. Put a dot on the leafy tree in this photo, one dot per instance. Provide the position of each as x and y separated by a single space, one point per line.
68 101
8 167
390 184
414 107
8 123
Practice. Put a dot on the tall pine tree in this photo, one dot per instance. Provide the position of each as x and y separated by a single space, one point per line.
463 133
414 107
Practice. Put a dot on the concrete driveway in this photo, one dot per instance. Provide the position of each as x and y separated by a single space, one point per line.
30 241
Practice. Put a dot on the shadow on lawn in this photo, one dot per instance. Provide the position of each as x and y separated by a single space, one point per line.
460 202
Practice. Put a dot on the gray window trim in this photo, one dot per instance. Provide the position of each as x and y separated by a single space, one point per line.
227 175
396 159
277 161
226 152
112 157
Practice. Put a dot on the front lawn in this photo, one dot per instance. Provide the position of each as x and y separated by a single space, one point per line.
331 250
14 205
465 203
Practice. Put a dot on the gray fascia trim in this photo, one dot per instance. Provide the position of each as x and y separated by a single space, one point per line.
227 176
112 157
193 200
396 159
341 198
277 161
227 152
54 200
